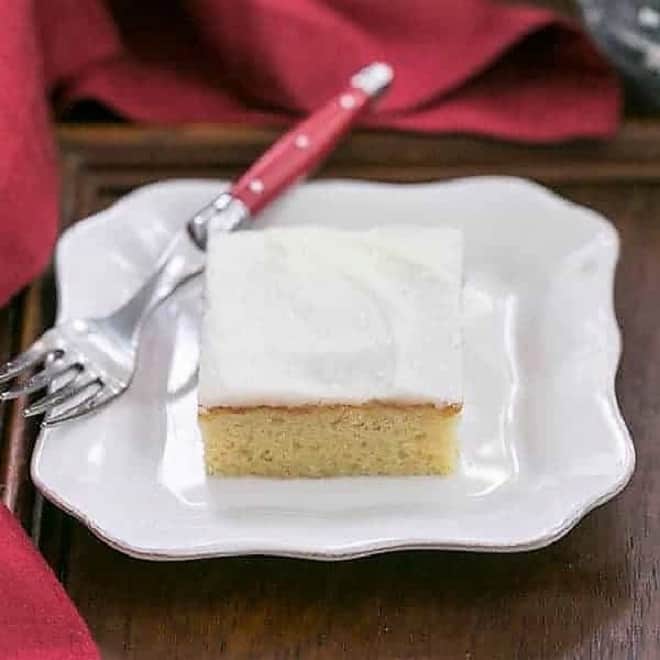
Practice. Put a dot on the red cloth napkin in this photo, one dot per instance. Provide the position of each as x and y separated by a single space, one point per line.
37 619
461 65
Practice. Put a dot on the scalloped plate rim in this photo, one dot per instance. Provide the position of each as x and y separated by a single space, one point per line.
363 547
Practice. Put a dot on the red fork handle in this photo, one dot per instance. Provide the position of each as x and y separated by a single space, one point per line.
297 152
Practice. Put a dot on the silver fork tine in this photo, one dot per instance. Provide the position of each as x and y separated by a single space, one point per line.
58 397
29 358
91 402
40 380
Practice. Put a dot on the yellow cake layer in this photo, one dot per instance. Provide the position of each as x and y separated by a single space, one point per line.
321 441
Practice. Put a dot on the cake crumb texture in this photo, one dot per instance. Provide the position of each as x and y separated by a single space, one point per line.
334 440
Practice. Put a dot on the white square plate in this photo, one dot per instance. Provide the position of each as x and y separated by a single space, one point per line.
543 441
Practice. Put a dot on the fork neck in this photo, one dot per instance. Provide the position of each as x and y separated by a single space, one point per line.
182 260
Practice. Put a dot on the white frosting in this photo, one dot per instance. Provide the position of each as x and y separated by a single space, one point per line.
299 316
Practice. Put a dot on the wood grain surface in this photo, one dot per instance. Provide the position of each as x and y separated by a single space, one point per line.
594 594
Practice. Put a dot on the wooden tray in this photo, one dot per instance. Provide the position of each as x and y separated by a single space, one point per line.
593 594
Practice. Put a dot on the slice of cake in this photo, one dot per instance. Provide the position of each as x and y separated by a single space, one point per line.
328 352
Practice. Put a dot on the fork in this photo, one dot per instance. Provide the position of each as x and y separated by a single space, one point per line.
86 363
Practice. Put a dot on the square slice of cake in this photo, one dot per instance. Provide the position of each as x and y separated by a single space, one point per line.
328 352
